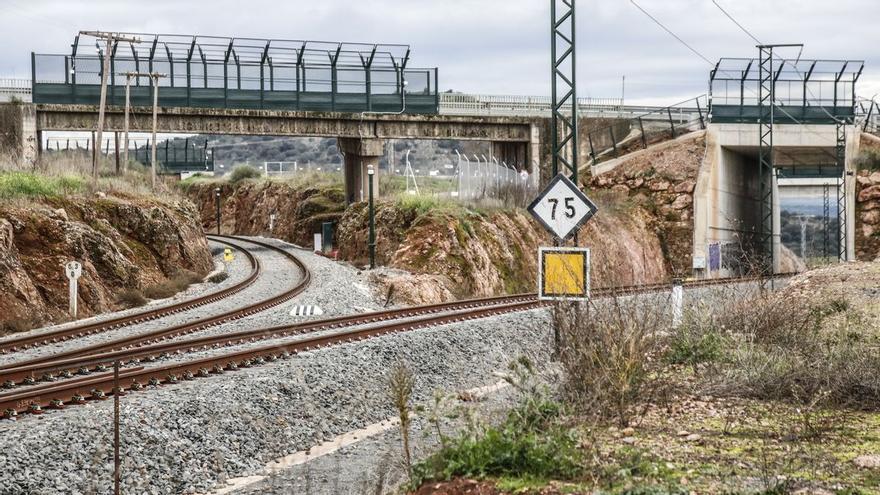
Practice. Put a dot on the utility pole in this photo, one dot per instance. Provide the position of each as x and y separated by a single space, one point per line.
117 391
217 201
116 156
153 164
112 39
370 173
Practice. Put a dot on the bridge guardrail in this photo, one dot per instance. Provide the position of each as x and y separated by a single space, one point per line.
15 88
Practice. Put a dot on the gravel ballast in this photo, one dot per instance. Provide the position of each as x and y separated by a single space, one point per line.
188 437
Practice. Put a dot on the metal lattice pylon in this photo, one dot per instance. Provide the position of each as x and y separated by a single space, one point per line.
766 97
564 127
841 192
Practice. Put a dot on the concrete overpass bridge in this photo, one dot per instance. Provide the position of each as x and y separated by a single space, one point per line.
361 94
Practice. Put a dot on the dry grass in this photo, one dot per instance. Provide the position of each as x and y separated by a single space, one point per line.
177 283
608 350
131 298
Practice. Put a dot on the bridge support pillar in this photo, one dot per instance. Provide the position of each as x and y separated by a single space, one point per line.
359 154
18 131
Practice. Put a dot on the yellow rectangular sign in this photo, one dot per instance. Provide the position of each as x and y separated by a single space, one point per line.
564 273
227 255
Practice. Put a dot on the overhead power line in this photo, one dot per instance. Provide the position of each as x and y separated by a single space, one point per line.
736 22
683 42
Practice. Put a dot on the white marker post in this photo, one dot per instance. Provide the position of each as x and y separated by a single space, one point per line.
73 270
271 222
677 301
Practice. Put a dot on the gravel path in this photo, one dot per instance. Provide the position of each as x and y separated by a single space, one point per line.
278 274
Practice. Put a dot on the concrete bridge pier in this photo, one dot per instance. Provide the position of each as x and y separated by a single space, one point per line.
359 154
19 120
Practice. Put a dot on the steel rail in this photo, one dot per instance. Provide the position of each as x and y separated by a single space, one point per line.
185 328
65 368
477 308
99 386
78 331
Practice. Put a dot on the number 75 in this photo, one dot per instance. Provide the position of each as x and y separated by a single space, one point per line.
569 207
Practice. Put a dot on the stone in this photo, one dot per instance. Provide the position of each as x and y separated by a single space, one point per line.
620 188
874 177
683 433
628 440
681 202
62 214
638 182
628 431
869 461
870 193
693 437
686 186
661 185
871 217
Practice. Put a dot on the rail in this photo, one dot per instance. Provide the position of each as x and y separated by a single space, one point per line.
81 389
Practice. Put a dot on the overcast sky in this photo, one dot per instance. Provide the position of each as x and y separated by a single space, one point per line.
486 46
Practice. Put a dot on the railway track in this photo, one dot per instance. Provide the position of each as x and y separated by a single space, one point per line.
181 329
98 386
79 331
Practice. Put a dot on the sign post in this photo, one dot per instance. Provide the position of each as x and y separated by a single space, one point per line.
227 258
73 270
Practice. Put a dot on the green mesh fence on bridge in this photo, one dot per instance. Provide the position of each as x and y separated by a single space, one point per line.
209 72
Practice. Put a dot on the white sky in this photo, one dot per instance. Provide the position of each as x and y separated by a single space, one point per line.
486 46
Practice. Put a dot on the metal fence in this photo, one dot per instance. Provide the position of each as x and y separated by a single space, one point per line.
646 129
242 85
172 156
818 91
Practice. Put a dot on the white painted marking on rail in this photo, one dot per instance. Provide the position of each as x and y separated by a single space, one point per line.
309 310
337 443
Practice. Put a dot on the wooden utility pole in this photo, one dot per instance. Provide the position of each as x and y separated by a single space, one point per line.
154 76
116 156
112 39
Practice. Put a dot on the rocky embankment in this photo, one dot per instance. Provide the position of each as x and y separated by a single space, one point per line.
660 183
867 234
122 243
435 250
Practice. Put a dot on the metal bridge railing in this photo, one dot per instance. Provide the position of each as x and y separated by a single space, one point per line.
643 130
239 84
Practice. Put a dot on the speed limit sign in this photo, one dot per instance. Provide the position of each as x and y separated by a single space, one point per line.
562 208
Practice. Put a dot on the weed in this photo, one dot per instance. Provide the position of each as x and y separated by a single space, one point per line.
400 389
18 325
218 277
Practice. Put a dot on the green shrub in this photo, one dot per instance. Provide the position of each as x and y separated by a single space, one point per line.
695 342
27 185
243 172
533 441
